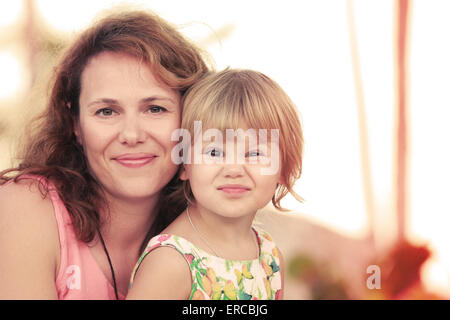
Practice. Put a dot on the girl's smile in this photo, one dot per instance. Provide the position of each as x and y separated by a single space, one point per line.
234 190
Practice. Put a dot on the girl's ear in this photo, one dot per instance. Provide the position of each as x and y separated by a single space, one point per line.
281 180
183 173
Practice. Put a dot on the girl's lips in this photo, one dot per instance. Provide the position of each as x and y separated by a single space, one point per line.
134 161
234 190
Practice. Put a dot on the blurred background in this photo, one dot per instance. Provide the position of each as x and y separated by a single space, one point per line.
370 80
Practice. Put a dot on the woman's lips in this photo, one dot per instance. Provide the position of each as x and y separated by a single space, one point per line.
134 160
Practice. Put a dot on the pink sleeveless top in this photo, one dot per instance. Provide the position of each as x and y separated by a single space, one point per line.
79 276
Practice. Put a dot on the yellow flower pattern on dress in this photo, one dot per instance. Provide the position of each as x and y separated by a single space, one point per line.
222 279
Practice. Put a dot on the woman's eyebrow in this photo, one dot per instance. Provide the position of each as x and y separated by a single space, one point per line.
105 101
153 98
142 101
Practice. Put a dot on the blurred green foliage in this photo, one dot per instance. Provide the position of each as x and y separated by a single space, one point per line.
320 279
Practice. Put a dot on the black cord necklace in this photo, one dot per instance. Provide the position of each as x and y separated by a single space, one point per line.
110 264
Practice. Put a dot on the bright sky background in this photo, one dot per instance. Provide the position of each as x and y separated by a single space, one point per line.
430 115
304 46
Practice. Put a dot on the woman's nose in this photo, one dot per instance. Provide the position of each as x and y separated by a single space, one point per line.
131 132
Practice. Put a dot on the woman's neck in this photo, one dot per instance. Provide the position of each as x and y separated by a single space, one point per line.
127 221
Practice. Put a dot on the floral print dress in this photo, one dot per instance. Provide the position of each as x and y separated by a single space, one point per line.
221 279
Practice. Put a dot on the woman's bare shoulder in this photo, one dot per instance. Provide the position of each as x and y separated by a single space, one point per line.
24 193
25 210
29 238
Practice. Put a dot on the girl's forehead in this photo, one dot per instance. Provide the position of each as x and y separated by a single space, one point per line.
242 126
232 128
234 135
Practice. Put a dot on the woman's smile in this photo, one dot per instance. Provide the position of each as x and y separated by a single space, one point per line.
135 160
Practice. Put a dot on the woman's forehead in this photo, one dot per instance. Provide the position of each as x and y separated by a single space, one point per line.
117 75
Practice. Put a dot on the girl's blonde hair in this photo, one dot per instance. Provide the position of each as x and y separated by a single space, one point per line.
228 98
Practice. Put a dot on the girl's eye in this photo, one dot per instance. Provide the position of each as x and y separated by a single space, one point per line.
255 153
214 153
106 112
156 109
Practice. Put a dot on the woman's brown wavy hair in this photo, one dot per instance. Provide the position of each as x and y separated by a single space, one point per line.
52 150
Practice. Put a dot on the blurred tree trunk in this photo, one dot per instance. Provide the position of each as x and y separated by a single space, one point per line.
31 38
401 154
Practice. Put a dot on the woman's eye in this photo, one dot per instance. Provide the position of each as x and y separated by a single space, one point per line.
106 112
156 109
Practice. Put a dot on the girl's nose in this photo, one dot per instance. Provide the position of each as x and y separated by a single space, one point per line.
233 170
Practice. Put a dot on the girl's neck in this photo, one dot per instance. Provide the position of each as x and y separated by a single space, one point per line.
223 234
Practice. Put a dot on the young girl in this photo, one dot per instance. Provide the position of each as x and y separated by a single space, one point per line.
251 153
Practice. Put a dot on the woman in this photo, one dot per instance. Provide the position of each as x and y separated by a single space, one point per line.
95 180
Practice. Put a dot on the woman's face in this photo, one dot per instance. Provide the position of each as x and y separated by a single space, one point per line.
125 124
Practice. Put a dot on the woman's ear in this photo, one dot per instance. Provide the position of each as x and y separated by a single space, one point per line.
76 131
76 125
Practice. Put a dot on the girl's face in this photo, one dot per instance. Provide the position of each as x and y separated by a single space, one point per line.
126 120
232 187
